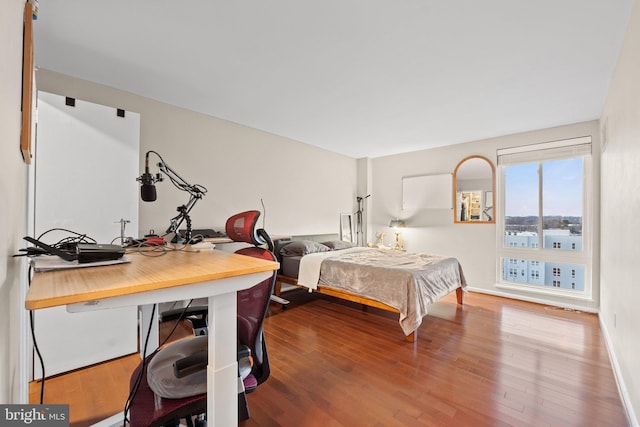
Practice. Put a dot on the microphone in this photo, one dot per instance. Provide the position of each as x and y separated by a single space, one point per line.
148 189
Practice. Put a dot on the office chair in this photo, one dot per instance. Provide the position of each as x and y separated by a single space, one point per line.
173 387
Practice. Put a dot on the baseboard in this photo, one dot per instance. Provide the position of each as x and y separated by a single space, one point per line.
617 373
531 299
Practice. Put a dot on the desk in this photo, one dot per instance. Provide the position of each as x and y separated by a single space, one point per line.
174 276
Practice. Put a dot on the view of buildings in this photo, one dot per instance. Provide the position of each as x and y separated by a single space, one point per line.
557 275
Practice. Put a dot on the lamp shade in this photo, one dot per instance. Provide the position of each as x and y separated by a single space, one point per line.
397 223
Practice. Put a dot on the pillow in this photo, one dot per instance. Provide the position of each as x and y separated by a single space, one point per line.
338 244
303 247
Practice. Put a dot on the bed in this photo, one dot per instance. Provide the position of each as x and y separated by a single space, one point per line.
397 281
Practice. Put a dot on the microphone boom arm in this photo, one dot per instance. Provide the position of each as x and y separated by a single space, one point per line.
196 192
183 215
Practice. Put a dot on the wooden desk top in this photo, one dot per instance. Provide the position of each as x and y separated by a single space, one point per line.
143 273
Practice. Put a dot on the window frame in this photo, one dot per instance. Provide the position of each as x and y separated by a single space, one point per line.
530 154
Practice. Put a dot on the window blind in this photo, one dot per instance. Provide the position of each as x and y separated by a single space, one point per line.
554 150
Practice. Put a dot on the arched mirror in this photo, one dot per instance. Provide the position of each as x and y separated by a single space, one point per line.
474 185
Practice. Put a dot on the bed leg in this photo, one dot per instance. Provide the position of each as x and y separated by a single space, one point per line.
411 337
459 294
277 288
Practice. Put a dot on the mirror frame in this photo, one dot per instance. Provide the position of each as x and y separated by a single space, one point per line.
455 191
346 227
27 84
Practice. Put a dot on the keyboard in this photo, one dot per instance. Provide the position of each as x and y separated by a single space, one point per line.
206 233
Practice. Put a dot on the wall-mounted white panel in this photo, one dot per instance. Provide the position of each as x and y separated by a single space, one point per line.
427 192
86 162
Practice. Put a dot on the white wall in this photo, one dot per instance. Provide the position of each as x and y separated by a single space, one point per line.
620 271
304 188
433 231
13 190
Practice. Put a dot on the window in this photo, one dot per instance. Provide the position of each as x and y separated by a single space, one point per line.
543 221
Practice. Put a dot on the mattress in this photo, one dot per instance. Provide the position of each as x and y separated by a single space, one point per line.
290 265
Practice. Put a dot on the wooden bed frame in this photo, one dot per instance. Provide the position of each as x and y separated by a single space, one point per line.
350 297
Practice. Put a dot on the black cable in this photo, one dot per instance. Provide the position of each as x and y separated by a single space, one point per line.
80 237
35 344
136 386
175 325
150 250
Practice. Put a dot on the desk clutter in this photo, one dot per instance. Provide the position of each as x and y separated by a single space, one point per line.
76 251
198 237
203 235
72 254
81 251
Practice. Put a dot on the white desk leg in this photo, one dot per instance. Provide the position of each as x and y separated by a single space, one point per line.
222 372
145 317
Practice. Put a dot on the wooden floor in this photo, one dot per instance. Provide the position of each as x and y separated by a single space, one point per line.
493 362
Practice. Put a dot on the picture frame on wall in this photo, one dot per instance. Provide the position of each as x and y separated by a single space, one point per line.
346 227
27 83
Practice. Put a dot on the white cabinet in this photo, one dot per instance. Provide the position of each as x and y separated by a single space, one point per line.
86 161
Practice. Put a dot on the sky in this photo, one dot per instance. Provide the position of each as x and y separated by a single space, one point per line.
562 188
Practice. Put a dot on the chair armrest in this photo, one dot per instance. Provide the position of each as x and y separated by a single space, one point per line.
190 364
198 361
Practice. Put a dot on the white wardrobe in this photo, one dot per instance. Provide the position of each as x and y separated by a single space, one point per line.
86 159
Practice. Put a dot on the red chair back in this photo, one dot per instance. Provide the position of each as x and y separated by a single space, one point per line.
253 302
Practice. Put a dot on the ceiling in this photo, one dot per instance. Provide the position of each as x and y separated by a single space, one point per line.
363 78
